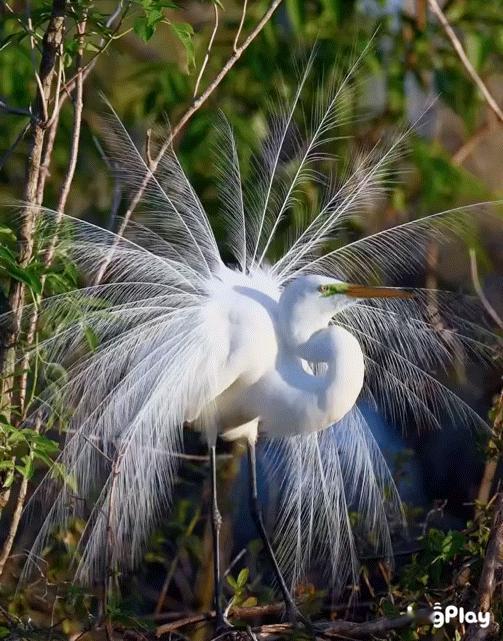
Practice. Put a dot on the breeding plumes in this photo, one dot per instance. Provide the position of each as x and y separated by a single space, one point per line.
277 344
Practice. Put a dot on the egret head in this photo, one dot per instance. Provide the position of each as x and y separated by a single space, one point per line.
308 303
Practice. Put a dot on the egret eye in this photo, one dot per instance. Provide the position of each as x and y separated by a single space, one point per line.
323 289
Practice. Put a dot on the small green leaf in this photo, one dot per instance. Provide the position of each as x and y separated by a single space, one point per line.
232 582
243 577
184 32
142 29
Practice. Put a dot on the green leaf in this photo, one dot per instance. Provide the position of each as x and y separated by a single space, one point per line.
232 582
243 577
184 32
4 632
142 29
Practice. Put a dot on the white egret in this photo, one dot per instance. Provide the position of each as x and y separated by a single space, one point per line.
275 349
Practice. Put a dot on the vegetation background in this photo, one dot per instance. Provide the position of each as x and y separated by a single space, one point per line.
153 60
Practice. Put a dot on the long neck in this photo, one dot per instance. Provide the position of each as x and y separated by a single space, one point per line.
343 380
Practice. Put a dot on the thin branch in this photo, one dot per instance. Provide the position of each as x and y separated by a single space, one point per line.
195 106
240 28
487 583
458 47
208 51
480 291
77 122
335 629
15 111
469 146
51 46
6 155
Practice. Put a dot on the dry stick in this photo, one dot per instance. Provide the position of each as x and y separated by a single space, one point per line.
23 379
208 51
469 146
66 91
350 629
464 59
52 40
196 104
240 28
487 583
480 292
493 459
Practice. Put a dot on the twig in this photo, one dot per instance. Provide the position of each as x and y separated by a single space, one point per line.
195 106
350 629
487 583
480 292
77 122
468 147
458 47
6 155
240 28
208 51
65 92
492 456
148 147
15 111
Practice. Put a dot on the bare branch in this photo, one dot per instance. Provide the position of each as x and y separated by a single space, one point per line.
52 40
487 583
335 629
480 291
458 47
240 28
195 106
208 51
15 111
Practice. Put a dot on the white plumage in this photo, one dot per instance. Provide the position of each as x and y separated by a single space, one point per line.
180 338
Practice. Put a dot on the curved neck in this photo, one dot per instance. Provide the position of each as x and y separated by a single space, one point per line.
343 381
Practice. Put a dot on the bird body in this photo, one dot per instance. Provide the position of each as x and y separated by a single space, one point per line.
283 346
269 341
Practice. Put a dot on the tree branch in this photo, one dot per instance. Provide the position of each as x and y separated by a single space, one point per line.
349 629
208 51
195 106
458 47
51 45
487 583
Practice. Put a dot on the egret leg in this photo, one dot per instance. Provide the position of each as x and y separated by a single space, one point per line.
292 611
216 523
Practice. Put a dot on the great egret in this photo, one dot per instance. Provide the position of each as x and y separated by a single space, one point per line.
275 349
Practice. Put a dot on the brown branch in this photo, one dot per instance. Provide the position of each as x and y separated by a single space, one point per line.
469 146
480 291
51 46
208 51
493 455
65 93
195 106
458 47
15 111
22 382
240 28
64 192
487 583
350 629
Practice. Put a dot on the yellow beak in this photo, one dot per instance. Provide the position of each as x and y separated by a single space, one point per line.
363 291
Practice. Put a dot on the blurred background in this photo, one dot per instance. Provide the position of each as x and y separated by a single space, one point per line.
147 67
